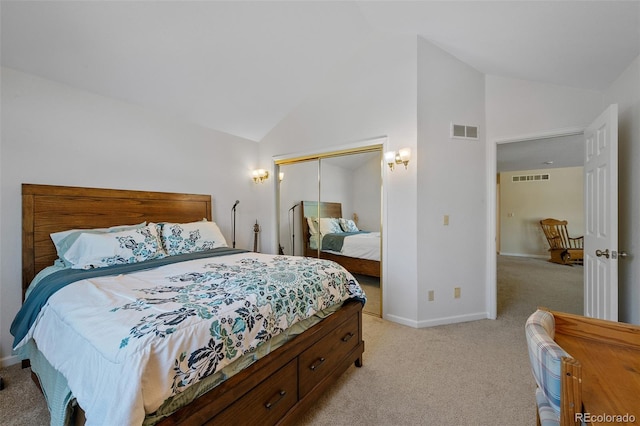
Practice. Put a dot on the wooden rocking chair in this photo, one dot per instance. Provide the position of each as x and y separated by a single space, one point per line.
563 248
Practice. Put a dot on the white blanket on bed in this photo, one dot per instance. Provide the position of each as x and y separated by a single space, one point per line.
362 246
126 343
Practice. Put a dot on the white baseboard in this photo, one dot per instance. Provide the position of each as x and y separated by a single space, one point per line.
9 360
536 256
453 320
401 320
437 321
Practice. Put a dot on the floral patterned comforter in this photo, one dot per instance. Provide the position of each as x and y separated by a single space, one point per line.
126 343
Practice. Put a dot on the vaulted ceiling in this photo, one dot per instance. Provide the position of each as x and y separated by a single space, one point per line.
240 67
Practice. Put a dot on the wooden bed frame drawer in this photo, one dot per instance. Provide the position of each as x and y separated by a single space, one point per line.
267 402
320 360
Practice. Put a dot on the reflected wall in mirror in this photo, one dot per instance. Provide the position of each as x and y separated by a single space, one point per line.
331 208
299 182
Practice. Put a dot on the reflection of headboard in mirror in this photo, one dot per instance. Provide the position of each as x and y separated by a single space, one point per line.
310 209
327 209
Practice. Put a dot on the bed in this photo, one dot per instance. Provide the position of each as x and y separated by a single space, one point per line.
272 372
365 260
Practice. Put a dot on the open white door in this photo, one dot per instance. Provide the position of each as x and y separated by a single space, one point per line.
601 217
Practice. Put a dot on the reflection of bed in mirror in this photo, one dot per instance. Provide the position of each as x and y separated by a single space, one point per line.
357 252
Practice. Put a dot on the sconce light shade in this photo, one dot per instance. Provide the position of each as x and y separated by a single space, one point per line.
260 175
281 176
405 156
390 158
398 157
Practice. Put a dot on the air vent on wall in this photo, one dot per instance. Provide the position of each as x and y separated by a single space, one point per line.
545 177
461 131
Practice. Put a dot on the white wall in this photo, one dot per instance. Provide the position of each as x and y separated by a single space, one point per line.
300 183
519 108
53 134
371 95
365 182
524 204
625 91
451 181
335 185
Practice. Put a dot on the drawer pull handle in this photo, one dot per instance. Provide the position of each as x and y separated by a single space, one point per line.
347 337
277 398
316 364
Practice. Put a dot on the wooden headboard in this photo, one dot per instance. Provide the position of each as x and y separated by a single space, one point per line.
327 209
47 209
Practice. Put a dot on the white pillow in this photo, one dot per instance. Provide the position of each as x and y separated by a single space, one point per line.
64 239
179 238
96 250
348 225
329 225
313 222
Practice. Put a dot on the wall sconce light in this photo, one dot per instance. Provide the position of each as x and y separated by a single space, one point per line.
280 176
398 157
260 175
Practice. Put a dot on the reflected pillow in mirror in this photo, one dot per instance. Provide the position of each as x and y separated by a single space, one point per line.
329 225
348 225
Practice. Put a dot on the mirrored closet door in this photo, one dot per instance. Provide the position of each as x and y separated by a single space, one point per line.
330 207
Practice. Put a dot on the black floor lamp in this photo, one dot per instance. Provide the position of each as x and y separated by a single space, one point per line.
293 229
233 225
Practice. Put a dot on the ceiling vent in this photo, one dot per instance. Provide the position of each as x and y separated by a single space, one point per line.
544 177
462 131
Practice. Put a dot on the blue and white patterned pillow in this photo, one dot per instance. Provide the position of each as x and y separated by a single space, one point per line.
348 225
97 250
179 238
65 239
329 225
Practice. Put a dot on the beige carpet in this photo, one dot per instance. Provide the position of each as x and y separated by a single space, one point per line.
475 373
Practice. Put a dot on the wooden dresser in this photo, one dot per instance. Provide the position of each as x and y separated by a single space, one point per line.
609 353
279 388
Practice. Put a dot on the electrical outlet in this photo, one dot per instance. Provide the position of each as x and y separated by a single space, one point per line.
431 296
456 292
